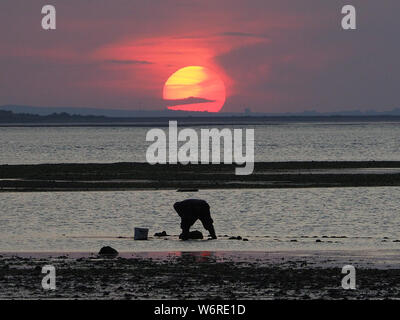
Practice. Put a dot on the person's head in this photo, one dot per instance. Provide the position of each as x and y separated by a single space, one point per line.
177 207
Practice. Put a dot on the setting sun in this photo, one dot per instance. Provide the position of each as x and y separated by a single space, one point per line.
195 88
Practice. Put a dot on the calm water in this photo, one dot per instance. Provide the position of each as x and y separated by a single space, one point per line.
270 219
276 142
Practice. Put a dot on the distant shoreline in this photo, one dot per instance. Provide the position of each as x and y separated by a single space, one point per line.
10 119
143 176
197 121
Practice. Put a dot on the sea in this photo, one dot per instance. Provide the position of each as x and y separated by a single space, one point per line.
269 219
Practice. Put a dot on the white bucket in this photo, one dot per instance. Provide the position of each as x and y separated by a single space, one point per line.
141 233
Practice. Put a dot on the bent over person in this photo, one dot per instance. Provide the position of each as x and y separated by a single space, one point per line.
190 210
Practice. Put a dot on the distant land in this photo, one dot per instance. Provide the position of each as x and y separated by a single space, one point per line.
11 117
119 113
37 116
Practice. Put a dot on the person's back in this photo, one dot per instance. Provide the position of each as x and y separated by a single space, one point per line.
192 206
190 210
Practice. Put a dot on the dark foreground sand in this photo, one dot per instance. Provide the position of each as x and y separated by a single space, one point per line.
202 275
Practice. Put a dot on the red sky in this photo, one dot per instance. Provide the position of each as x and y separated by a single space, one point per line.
273 55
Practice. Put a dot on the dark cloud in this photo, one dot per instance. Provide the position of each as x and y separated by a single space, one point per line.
190 100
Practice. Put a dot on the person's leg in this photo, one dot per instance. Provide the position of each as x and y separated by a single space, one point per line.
205 218
185 221
208 225
211 230
185 230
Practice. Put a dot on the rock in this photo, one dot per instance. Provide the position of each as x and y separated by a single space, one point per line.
235 238
195 235
318 240
245 239
108 251
161 234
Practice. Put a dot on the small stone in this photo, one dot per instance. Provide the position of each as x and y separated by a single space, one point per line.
161 234
195 235
318 240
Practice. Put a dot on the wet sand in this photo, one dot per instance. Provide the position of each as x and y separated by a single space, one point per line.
203 275
139 176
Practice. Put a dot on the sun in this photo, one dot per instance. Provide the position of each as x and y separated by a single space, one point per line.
195 88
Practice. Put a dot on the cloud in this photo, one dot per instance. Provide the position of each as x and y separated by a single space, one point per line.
143 62
242 34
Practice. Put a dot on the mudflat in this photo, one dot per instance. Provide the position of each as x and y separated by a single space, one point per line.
134 176
202 275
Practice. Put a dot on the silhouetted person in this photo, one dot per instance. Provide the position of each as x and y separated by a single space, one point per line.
190 210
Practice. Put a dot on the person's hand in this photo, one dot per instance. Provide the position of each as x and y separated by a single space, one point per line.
183 236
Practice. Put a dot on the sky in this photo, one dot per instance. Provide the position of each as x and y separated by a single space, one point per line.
271 55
